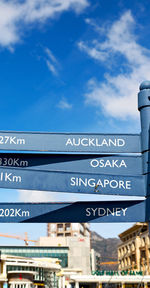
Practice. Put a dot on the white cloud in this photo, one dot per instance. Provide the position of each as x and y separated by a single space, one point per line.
92 51
117 95
51 62
51 67
47 196
64 104
51 55
33 196
15 14
36 196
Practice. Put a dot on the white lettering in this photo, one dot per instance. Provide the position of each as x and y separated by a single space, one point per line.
124 211
91 182
104 142
69 142
97 143
7 177
110 212
118 212
115 185
104 183
78 143
121 142
2 176
89 213
100 212
108 163
123 163
99 183
101 163
115 163
12 140
83 181
94 163
128 184
73 183
112 163
83 140
91 142
94 211
121 184
111 142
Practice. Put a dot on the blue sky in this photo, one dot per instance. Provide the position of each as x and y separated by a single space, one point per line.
71 66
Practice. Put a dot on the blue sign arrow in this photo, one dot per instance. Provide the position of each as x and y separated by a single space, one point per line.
99 164
72 182
70 142
98 212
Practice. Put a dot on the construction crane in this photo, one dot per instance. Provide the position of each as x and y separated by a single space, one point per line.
25 238
109 263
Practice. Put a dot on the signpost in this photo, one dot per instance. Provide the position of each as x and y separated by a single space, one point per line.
72 182
80 163
70 142
95 211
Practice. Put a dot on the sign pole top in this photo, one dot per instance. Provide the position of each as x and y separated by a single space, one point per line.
144 85
144 95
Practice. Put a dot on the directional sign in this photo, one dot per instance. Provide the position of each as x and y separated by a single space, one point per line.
70 142
72 182
100 212
99 164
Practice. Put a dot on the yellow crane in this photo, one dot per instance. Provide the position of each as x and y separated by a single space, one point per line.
24 238
109 263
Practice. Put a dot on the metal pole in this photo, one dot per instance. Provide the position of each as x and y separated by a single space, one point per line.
144 108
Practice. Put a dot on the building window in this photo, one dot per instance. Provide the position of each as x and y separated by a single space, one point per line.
68 234
67 226
53 227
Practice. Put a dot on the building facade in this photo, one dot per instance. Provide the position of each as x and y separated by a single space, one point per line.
134 250
74 253
23 272
79 251
50 264
68 229
55 252
90 281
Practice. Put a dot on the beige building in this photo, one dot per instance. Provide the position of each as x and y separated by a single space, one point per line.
79 251
24 272
134 250
68 229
